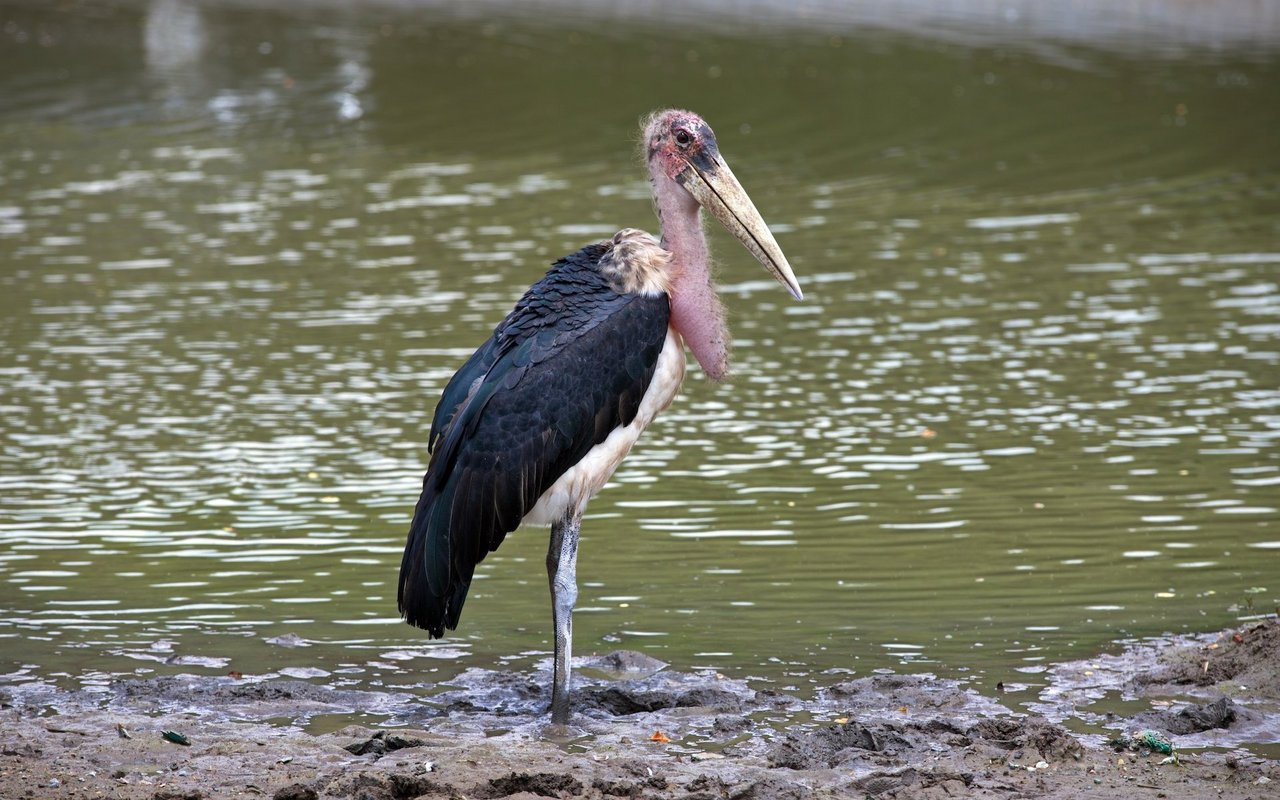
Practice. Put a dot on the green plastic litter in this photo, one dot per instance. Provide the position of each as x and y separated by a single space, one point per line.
176 738
1156 741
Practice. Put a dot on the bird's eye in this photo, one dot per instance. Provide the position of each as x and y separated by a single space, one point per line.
683 138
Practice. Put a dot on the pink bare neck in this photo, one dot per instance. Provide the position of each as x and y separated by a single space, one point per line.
696 311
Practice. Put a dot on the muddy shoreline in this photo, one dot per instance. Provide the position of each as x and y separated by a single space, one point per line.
644 730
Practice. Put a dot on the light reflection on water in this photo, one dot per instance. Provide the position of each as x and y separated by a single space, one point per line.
1024 410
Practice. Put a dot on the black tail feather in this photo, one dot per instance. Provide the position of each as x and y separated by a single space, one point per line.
431 593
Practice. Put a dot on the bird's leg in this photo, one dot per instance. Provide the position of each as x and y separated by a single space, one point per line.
562 572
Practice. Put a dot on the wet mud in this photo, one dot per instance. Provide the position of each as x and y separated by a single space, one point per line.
643 730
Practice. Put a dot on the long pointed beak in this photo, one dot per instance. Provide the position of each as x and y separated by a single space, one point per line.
714 186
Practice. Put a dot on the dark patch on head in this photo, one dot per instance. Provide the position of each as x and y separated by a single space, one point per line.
707 135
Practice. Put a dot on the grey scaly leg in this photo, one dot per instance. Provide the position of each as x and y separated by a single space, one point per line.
562 572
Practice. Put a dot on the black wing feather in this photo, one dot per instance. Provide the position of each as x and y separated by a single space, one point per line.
563 370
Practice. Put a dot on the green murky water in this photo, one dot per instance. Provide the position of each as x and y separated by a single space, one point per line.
1030 404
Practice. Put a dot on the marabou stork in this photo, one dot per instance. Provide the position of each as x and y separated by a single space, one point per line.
537 420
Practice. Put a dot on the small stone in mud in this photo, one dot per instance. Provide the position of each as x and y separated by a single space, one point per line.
547 784
727 724
382 743
914 783
830 746
1192 719
617 788
620 701
379 786
709 697
1051 741
771 787
1218 714
706 786
296 791
626 662
414 786
641 769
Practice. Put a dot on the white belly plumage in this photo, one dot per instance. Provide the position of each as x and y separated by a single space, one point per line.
570 493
